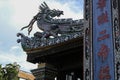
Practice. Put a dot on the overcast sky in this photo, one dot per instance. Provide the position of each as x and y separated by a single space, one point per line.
15 14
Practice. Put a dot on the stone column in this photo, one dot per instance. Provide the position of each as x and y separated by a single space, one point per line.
44 72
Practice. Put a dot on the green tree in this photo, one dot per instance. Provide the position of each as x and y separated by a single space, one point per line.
1 72
12 71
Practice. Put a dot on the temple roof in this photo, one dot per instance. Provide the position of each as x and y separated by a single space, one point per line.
59 36
38 55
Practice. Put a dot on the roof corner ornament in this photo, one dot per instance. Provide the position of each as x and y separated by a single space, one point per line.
57 28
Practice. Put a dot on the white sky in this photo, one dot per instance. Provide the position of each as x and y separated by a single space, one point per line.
15 14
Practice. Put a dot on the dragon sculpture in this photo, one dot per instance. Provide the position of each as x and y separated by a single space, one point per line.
50 26
47 22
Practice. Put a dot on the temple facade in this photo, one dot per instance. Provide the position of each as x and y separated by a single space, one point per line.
67 49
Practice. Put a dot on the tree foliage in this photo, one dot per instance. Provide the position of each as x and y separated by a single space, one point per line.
9 72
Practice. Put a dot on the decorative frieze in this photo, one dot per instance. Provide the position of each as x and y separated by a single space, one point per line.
36 42
87 40
116 36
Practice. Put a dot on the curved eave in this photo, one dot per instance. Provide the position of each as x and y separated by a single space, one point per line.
37 55
44 48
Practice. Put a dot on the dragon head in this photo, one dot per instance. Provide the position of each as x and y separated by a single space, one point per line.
54 13
51 13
